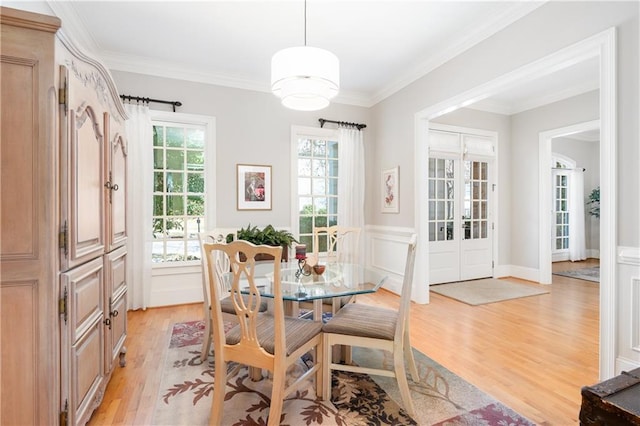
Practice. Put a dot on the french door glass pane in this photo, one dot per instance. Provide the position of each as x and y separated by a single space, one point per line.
441 192
475 199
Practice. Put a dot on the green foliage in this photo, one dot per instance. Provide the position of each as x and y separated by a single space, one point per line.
269 236
594 201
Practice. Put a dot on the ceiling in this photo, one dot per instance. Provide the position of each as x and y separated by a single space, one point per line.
382 45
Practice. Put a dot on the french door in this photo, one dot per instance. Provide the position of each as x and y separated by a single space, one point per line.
460 220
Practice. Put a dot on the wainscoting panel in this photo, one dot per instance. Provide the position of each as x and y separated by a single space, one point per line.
628 312
386 251
176 286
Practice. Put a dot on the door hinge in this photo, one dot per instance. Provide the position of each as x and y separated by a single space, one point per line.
63 92
492 264
493 226
63 238
63 305
64 414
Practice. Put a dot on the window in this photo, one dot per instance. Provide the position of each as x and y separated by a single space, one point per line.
561 189
180 188
561 168
315 182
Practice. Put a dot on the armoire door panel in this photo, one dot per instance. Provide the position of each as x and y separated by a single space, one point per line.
87 217
116 182
115 266
18 164
85 287
87 377
18 302
116 269
118 332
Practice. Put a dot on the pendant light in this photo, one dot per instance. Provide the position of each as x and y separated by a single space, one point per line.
305 78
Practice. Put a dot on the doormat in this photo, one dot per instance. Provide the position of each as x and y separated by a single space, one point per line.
588 274
488 290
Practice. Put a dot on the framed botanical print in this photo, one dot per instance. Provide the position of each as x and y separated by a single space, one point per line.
390 195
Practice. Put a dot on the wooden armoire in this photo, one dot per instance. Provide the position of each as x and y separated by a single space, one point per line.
63 189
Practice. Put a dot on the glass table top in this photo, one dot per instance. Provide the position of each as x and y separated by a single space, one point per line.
338 279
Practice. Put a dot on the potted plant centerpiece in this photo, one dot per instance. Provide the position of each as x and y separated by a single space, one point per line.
269 236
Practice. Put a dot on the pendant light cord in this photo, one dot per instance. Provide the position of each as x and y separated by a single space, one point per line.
305 23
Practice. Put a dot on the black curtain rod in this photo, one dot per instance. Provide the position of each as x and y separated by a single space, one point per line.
567 168
174 104
342 123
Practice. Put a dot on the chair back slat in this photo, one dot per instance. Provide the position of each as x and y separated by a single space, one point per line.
342 246
407 287
220 260
240 279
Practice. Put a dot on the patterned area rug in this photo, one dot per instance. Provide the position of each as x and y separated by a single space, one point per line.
441 397
589 274
488 290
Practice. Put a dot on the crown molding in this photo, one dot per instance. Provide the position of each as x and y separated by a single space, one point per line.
73 26
506 108
500 21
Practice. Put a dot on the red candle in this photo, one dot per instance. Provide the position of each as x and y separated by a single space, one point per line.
301 251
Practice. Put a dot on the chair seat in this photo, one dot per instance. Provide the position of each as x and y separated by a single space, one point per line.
298 332
356 319
226 304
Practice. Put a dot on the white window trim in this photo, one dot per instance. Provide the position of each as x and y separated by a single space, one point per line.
209 124
296 133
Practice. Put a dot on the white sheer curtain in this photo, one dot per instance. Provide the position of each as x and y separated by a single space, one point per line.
577 244
351 186
139 205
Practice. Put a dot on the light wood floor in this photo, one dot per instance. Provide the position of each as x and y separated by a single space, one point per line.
532 354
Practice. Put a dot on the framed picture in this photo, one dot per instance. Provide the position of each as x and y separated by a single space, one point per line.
254 187
390 194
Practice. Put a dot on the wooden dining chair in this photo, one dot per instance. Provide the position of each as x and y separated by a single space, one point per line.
221 264
271 342
340 244
361 325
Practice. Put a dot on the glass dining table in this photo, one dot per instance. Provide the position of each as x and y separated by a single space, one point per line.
304 285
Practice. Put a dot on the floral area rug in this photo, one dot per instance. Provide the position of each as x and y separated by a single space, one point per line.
440 398
589 274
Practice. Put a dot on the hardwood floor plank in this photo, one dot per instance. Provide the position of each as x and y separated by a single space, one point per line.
533 354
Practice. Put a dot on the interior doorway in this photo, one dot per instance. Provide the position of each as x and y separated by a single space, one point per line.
546 191
603 47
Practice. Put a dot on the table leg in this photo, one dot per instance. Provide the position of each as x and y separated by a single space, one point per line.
255 374
317 310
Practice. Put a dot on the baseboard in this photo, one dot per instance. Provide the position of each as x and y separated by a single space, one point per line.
529 274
